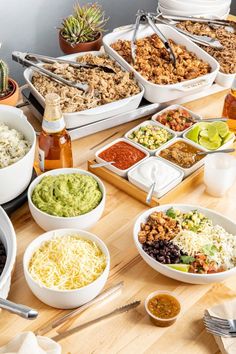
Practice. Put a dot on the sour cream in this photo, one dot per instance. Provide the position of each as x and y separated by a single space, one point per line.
156 170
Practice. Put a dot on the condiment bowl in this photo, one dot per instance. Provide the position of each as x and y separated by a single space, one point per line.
192 278
8 238
65 299
50 222
158 321
15 178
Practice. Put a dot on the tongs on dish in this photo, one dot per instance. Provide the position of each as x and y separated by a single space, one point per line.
203 40
33 60
148 17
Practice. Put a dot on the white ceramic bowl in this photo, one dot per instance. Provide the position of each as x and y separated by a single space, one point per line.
217 218
15 178
65 299
118 171
50 222
170 108
186 171
8 238
155 124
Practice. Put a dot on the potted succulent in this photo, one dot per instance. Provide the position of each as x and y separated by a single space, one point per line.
9 89
82 31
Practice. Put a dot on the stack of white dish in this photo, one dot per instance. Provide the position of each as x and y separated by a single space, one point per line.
205 8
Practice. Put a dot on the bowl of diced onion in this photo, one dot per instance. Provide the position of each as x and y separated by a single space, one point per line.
66 268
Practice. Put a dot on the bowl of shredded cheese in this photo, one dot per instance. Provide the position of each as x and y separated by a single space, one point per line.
66 268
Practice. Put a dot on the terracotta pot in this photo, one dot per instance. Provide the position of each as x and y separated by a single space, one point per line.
11 99
67 48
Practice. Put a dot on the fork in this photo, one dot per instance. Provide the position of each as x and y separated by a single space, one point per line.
219 326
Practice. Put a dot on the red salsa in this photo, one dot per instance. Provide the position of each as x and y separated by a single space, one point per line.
123 154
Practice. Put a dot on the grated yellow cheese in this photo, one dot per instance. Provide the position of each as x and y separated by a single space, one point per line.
67 263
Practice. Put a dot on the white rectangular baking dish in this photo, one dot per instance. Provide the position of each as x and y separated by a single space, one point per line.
150 122
186 171
164 93
173 107
78 119
158 193
122 173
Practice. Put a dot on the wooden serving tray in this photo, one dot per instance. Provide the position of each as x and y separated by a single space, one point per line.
123 184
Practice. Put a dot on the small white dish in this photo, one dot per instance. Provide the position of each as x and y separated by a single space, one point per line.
140 176
111 167
50 222
65 299
186 171
154 124
173 107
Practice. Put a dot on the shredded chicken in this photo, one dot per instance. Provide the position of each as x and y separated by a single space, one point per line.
226 57
153 61
104 87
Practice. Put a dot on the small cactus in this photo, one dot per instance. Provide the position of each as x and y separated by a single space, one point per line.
4 88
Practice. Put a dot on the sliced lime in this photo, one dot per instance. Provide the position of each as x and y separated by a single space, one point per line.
222 128
193 133
181 267
212 132
204 133
229 136
210 145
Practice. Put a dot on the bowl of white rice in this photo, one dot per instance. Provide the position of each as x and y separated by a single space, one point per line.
17 149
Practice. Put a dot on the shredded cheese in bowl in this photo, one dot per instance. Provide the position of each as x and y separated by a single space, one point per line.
67 262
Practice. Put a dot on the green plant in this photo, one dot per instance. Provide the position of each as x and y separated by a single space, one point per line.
85 24
4 87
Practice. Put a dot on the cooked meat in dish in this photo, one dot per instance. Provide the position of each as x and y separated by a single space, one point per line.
104 87
153 60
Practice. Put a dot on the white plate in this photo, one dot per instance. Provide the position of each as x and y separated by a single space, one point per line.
218 219
78 119
170 108
186 171
155 124
164 93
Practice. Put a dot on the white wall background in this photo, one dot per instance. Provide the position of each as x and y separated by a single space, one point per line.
30 25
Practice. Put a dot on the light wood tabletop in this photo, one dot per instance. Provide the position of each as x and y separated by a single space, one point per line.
131 332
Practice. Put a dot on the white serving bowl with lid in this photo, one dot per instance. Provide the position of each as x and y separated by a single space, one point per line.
15 178
192 278
65 299
50 222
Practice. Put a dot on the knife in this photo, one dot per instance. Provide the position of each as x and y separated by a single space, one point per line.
105 294
115 312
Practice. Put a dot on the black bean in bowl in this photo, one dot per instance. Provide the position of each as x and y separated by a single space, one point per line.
3 257
163 251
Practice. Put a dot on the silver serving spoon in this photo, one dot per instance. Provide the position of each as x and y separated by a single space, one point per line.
18 309
214 151
102 164
222 119
153 185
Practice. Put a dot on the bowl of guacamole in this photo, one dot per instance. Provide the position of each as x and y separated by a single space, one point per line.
67 197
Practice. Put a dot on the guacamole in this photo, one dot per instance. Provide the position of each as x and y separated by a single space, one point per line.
67 195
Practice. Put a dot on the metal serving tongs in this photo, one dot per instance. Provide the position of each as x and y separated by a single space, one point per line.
147 17
203 40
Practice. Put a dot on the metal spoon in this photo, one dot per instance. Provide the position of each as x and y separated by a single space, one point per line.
153 185
18 309
222 119
102 164
214 151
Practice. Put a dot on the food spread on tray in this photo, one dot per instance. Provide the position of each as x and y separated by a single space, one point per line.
182 154
176 119
13 145
153 61
66 263
3 257
67 195
150 136
188 241
164 306
226 57
105 87
210 135
123 154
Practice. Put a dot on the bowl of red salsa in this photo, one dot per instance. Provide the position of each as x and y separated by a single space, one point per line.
125 155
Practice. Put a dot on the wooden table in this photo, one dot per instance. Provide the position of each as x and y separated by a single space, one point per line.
132 332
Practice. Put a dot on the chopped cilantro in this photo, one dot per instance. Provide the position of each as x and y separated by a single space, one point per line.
171 213
187 259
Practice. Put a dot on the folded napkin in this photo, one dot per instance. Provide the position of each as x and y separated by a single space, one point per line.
28 343
225 310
